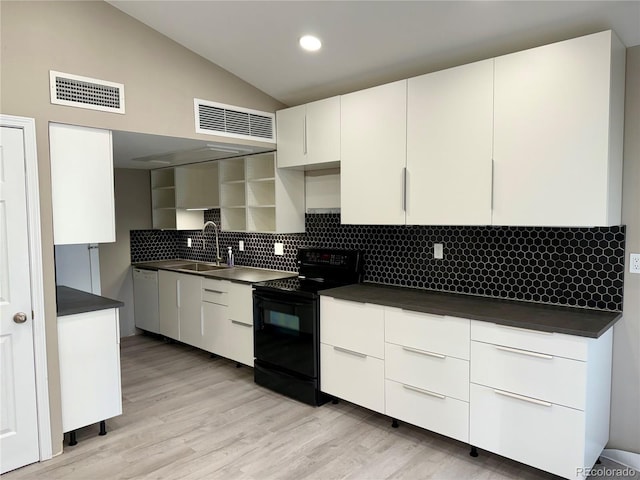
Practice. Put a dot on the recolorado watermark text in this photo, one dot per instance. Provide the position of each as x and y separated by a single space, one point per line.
602 471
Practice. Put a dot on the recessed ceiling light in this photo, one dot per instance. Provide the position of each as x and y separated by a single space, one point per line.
310 43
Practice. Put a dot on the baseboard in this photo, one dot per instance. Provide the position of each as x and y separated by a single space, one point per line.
628 459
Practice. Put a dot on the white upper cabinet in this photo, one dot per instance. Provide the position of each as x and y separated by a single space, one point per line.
558 134
449 146
309 135
373 155
81 184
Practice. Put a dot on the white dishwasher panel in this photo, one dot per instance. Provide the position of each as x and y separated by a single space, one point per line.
145 300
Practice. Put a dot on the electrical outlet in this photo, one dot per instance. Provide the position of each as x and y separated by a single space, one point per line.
437 251
241 246
634 263
189 242
278 248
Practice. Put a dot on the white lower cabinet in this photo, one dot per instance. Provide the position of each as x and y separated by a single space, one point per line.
89 353
540 399
227 320
427 409
352 376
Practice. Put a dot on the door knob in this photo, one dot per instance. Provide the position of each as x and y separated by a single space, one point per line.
20 317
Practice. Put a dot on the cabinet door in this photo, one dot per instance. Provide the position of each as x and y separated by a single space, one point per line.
81 185
551 143
373 127
190 309
323 131
449 146
290 128
168 286
214 326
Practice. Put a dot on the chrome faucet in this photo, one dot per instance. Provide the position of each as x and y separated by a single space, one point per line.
215 230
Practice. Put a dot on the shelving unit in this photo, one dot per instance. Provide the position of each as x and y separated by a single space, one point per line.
256 197
166 215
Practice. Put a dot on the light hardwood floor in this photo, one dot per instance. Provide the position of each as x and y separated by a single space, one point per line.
188 416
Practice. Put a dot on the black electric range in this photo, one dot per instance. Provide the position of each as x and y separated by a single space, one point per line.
287 321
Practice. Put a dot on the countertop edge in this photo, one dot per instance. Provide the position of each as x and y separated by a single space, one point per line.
71 301
600 321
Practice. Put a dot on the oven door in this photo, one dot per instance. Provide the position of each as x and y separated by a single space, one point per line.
285 331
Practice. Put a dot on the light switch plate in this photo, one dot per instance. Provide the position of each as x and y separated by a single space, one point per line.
241 246
634 263
437 251
278 248
189 242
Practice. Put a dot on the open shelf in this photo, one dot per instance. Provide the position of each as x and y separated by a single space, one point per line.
261 219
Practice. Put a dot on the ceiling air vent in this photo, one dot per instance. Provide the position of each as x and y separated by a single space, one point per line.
84 92
229 121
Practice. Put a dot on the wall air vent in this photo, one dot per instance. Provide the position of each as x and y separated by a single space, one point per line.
229 121
84 92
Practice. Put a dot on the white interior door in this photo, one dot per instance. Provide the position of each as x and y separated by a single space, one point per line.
18 412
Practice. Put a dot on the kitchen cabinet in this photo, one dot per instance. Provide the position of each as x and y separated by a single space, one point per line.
164 201
560 405
450 146
240 318
180 306
352 352
373 128
214 316
255 196
427 371
309 135
81 184
89 354
558 119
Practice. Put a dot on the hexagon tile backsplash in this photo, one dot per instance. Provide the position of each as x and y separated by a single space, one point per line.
581 267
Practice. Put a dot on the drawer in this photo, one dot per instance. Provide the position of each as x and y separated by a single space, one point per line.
542 376
356 378
215 291
438 413
433 333
568 346
352 325
545 436
438 373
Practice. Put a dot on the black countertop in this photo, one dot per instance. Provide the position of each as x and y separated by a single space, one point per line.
532 316
238 274
71 301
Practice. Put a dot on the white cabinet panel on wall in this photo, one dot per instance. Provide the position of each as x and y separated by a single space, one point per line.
373 155
309 135
558 134
81 184
449 146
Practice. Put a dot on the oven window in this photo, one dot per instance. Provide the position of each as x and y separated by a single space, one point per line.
289 324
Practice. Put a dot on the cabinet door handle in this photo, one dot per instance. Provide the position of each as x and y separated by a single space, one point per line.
424 352
492 181
304 136
350 352
236 322
525 352
528 330
213 291
424 392
178 293
522 397
404 189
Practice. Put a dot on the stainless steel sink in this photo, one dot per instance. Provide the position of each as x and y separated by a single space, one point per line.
201 267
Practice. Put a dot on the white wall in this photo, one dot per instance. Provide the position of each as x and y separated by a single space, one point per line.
625 396
133 212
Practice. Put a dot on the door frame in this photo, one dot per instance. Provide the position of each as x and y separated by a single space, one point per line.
28 126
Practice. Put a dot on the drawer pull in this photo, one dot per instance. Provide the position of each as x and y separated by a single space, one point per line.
525 352
236 322
423 352
425 392
520 397
213 291
350 352
528 330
